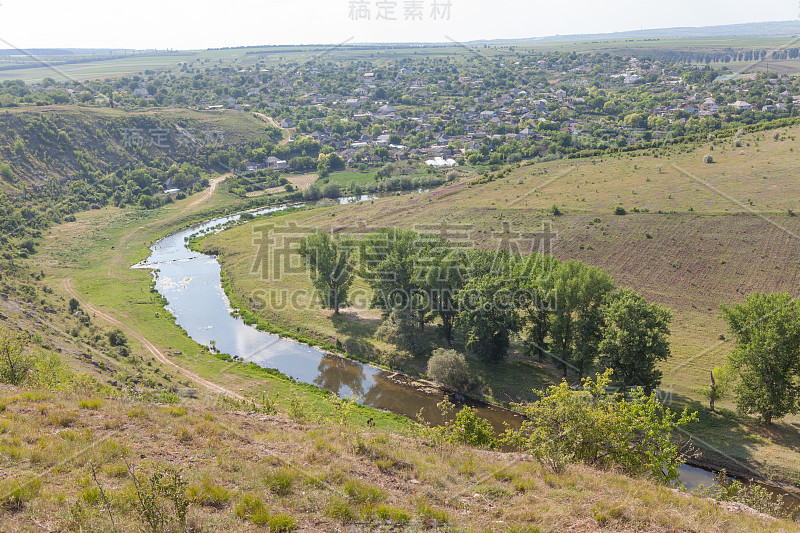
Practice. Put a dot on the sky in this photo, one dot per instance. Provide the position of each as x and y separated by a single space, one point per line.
181 24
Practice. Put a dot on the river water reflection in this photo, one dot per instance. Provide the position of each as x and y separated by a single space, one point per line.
191 283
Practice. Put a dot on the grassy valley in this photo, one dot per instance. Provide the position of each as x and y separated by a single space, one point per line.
696 235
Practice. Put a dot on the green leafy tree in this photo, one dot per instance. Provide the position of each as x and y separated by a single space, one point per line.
399 329
576 323
487 317
634 340
395 263
331 269
767 354
116 337
444 280
534 283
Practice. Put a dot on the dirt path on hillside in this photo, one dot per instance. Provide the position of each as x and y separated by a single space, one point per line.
116 262
149 345
212 186
272 122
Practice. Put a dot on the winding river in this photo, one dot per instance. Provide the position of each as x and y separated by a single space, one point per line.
191 283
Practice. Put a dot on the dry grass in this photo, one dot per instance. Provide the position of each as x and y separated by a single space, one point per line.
244 471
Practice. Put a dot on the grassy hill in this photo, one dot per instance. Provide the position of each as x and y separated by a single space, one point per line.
68 142
76 461
695 235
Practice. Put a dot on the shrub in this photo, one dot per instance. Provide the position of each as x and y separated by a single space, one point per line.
116 337
749 494
15 363
161 499
708 158
5 171
601 428
619 210
450 368
466 428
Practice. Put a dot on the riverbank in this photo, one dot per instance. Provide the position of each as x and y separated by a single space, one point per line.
729 440
226 373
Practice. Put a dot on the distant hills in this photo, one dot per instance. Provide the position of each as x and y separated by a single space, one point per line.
750 29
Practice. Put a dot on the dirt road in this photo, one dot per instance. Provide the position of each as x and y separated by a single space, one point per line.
272 122
117 263
213 387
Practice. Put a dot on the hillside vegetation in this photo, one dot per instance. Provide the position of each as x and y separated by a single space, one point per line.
690 235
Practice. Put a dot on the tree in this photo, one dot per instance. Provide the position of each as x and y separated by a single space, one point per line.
487 317
329 264
634 340
450 368
718 388
390 260
576 323
399 329
73 305
444 280
146 201
534 283
14 362
767 354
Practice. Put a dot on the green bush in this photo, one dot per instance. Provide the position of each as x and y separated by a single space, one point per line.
465 428
602 428
450 368
116 337
15 363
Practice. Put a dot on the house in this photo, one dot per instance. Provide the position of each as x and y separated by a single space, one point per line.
440 162
382 140
741 105
386 110
539 105
275 163
709 105
287 123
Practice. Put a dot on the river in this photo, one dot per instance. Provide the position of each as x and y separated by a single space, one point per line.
191 283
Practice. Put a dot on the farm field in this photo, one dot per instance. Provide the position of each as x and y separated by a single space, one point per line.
696 235
138 63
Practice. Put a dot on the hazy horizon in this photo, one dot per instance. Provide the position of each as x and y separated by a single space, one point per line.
183 25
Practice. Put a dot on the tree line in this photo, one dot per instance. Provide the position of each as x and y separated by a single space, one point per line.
567 311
